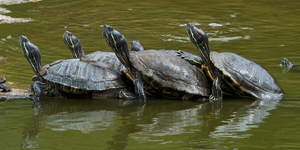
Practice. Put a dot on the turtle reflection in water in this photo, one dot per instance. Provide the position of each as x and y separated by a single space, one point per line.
232 73
156 71
72 76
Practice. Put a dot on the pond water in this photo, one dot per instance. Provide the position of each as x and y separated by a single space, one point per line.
263 31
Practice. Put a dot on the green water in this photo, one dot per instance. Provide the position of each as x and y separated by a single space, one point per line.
263 31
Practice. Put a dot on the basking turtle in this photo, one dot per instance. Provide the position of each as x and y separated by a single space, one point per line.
287 66
74 45
161 72
233 73
73 76
4 88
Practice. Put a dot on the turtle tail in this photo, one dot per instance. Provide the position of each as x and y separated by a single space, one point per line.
136 46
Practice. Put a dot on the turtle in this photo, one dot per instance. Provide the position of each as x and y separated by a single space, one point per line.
166 75
4 88
74 45
287 66
232 73
73 76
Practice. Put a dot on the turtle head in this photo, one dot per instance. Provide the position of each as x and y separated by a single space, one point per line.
136 46
200 39
114 38
118 44
286 65
31 53
73 44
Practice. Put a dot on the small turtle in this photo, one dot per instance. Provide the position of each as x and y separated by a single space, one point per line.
73 76
232 73
287 66
161 72
4 88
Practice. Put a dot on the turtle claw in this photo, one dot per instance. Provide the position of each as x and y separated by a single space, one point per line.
4 88
34 98
180 53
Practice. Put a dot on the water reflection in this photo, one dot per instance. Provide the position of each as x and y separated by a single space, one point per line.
233 121
160 122
85 116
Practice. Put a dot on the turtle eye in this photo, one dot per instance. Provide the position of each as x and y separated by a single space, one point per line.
120 37
109 28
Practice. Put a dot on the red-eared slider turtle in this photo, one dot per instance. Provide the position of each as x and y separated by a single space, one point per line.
74 45
4 88
169 76
287 66
73 76
233 73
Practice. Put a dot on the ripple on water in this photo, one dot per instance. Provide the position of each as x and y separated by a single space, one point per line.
85 122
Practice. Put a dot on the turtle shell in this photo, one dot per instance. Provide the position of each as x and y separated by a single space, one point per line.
246 77
169 75
75 76
107 57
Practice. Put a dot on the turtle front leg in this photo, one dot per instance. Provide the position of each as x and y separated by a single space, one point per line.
138 85
192 59
216 90
123 93
4 88
40 89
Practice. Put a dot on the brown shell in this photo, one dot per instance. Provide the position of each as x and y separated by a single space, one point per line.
74 74
168 74
246 77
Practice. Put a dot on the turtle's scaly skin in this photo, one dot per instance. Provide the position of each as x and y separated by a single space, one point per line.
238 75
169 76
